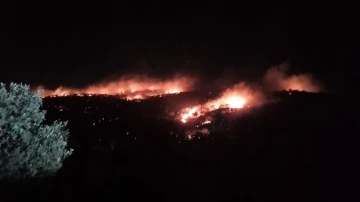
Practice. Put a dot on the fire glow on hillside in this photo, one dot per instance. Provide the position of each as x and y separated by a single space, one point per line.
242 95
203 118
130 88
237 97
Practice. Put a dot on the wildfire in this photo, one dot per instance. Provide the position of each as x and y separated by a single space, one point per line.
237 97
189 113
241 95
130 88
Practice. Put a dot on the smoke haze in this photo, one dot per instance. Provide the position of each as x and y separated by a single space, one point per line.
276 79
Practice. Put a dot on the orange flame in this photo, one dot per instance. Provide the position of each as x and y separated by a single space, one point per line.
131 87
237 97
241 95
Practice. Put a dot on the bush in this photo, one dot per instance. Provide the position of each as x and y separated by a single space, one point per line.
28 148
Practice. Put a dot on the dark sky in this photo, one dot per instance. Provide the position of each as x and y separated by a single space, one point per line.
78 43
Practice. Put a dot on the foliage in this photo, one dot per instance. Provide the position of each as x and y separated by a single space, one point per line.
28 148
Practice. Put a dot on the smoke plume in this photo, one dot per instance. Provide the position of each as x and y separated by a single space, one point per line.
276 79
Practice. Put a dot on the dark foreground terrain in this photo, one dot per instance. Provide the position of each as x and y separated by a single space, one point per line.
301 148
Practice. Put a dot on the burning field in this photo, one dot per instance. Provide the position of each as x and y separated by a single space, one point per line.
202 116
129 87
237 97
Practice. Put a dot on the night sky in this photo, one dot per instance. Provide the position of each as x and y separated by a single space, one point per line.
75 44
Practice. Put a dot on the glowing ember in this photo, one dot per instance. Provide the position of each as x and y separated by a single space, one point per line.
130 88
206 122
190 134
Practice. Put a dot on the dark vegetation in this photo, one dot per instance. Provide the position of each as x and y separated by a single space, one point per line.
300 148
